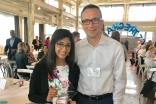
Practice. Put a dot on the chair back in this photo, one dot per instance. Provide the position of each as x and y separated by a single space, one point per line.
149 62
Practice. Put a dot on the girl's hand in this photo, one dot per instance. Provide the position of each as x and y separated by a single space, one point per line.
51 94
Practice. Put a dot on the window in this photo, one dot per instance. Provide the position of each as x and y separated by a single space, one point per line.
36 30
7 24
67 8
66 28
80 10
112 12
52 2
49 30
82 33
149 36
142 12
73 10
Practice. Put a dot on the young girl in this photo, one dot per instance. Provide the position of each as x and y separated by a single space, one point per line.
51 76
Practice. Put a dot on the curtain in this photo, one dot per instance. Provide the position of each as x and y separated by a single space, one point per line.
25 30
17 30
41 32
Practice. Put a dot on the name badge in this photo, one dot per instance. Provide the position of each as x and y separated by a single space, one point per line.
93 72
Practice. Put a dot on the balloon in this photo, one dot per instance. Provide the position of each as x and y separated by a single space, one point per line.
127 27
115 26
143 40
133 30
109 30
140 36
121 25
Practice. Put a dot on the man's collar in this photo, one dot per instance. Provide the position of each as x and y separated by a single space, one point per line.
102 41
13 38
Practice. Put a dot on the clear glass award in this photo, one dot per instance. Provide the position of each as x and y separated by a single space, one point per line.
64 97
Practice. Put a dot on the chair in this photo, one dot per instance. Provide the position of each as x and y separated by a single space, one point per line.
3 70
24 71
30 66
141 66
12 68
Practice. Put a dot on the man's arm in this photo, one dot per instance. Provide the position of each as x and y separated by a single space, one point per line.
119 74
6 48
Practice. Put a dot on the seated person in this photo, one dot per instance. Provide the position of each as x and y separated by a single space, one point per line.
30 55
150 52
141 53
21 58
43 52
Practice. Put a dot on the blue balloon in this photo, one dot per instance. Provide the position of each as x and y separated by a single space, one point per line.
133 30
140 36
115 26
121 25
109 30
143 40
127 27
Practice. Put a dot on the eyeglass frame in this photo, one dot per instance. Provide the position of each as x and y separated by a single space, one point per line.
92 21
63 46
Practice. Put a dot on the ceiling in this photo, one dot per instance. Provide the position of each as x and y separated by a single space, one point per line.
46 13
110 2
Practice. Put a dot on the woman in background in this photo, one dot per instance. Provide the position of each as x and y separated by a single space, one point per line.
43 52
116 35
30 55
150 52
21 58
47 41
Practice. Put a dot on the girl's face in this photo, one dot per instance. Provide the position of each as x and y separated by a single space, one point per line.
62 48
45 49
27 48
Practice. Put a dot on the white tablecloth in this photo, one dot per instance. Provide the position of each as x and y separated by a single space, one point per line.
13 89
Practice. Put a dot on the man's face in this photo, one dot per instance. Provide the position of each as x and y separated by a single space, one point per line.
12 33
92 29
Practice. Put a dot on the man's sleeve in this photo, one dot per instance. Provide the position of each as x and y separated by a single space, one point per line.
6 46
119 75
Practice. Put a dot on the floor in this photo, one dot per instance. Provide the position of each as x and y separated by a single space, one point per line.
132 95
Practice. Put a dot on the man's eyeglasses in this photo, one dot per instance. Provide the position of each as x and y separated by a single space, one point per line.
94 21
61 45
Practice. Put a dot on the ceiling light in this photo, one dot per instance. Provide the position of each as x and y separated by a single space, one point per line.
39 8
66 17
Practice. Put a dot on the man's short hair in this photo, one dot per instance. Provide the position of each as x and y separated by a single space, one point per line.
91 6
76 34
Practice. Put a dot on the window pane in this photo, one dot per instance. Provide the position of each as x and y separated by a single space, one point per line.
149 36
142 12
49 30
67 8
142 33
82 34
6 24
112 13
36 30
52 2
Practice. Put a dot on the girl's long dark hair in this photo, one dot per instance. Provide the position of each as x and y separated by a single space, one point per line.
50 57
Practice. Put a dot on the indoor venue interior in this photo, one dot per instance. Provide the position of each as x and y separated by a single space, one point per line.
30 36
